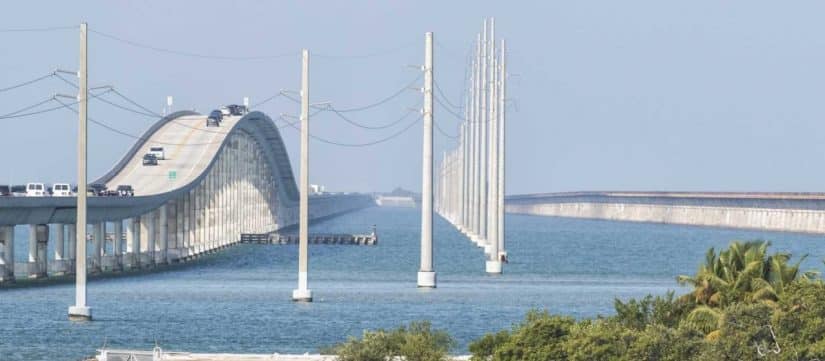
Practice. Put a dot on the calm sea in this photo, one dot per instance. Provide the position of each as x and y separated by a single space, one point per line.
239 300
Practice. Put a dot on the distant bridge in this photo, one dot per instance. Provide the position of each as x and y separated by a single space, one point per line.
782 212
217 184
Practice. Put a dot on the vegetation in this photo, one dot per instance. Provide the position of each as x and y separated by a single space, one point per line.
745 304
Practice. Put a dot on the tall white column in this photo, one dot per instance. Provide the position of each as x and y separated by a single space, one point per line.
80 311
501 141
426 274
482 220
476 124
303 293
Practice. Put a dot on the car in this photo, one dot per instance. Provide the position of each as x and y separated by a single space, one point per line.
35 190
158 152
150 159
212 122
61 190
235 109
96 189
18 190
225 111
5 191
125 190
215 117
111 193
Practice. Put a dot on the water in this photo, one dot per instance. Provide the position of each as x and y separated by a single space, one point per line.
239 300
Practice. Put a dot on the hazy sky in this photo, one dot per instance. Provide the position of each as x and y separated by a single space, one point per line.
648 95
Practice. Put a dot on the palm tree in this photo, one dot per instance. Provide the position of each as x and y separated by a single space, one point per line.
742 273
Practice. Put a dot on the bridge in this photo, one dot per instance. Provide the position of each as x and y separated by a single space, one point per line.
781 212
216 184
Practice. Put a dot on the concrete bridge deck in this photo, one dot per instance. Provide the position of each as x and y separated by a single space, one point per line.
785 212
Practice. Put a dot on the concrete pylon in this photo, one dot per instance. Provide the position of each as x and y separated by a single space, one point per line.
303 293
80 311
426 274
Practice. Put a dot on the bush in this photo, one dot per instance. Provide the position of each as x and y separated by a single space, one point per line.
539 337
418 342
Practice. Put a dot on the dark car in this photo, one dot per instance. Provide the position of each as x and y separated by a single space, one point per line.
5 191
150 159
18 190
236 109
214 118
125 190
96 189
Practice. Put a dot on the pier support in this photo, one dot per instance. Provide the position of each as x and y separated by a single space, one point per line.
6 254
38 241
163 217
98 239
133 244
71 248
117 245
59 246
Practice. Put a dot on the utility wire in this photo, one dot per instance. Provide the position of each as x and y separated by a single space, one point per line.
189 54
356 145
27 82
445 107
35 105
446 98
267 100
118 131
366 55
340 114
43 29
438 127
382 101
18 114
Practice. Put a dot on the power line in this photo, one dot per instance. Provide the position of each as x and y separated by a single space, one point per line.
340 114
43 29
382 101
35 105
189 54
366 55
118 131
445 107
355 145
267 100
446 98
438 127
27 82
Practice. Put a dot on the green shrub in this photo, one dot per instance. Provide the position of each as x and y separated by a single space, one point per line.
418 342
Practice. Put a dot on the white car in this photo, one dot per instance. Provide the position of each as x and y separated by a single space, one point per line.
226 111
61 190
35 190
157 152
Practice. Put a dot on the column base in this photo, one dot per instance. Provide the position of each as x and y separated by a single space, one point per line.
493 267
300 295
80 313
426 279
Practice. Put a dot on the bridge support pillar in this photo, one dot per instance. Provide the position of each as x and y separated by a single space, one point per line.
38 239
133 244
163 219
147 240
98 240
59 247
6 254
117 246
71 244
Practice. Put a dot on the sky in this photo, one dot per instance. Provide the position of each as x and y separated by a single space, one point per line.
605 95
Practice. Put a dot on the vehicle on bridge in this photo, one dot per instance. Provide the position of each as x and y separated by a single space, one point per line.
35 190
158 152
235 109
96 189
225 111
125 190
61 190
150 159
214 119
18 190
5 191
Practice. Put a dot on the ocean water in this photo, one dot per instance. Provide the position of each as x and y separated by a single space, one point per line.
238 300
